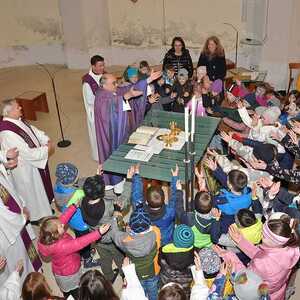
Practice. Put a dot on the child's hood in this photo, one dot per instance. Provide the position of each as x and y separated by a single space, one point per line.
141 244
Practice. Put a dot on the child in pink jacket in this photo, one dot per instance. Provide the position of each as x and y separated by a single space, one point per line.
62 248
273 260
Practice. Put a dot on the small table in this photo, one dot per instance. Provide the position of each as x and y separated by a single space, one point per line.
159 166
31 102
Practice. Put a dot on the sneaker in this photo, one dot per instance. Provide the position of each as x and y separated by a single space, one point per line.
91 263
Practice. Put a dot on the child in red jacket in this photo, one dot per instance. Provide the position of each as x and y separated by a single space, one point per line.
63 249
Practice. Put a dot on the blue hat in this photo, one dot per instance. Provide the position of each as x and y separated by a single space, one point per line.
132 72
183 236
139 220
66 173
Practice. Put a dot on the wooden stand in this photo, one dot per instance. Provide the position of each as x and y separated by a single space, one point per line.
31 102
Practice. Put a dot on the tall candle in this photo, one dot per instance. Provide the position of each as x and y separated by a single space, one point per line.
193 118
186 123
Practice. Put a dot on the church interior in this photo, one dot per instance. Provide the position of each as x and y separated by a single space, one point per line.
55 39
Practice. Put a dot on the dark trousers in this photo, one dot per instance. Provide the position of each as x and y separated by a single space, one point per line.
74 293
109 253
85 252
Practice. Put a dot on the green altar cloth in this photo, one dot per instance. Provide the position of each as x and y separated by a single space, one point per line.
159 166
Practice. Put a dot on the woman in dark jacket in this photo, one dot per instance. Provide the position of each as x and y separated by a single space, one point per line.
179 57
213 57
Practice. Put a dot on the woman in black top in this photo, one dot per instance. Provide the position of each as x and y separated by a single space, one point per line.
213 57
179 57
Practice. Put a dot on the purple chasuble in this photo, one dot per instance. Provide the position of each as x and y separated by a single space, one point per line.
112 123
91 82
13 206
44 173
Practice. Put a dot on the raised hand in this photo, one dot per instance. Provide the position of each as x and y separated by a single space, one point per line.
293 137
254 190
12 153
153 76
197 261
2 262
132 93
20 266
104 228
126 261
178 185
211 164
176 171
130 172
153 98
274 189
225 137
234 233
212 152
240 104
220 251
100 170
216 213
296 126
257 164
265 182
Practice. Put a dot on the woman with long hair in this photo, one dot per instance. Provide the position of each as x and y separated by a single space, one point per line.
213 57
179 57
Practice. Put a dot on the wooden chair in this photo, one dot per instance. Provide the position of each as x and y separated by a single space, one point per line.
292 67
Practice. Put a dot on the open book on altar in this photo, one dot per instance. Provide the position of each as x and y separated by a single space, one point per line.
142 135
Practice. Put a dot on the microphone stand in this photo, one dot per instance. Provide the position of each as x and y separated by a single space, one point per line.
236 41
63 143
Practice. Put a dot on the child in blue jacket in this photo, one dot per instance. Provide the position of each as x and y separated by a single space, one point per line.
234 195
162 215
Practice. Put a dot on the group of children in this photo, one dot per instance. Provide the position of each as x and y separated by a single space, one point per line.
240 241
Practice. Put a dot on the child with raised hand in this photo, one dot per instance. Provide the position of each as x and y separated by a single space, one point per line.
161 214
63 250
10 289
234 195
202 219
274 259
246 284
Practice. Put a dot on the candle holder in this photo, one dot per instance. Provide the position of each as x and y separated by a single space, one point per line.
186 173
192 154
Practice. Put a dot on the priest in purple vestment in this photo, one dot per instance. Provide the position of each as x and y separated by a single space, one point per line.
116 117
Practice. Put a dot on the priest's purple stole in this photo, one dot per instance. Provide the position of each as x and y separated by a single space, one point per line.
13 206
91 82
44 173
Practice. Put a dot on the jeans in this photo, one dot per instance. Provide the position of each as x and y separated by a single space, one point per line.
150 287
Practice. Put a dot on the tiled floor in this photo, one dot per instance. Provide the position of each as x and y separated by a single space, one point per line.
15 81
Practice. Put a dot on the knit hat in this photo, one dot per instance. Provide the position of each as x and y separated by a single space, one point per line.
139 220
66 173
183 236
217 86
131 72
183 73
265 152
248 285
271 113
210 262
94 187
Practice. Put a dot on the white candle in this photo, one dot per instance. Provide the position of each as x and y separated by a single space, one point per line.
186 123
193 118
